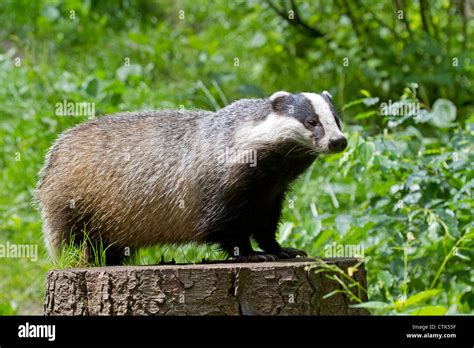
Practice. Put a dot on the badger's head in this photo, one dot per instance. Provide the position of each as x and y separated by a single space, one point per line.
306 119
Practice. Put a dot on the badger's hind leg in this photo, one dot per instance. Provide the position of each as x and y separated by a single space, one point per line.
97 249
63 230
57 231
116 255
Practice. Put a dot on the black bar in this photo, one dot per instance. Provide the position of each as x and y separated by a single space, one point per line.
136 331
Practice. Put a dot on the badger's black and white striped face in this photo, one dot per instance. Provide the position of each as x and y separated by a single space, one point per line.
308 119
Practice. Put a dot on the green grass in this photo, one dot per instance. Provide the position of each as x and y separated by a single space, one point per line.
402 190
86 253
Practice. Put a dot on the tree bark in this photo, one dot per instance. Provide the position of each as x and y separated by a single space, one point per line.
287 287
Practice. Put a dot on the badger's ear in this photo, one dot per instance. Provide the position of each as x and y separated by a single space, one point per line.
328 95
279 101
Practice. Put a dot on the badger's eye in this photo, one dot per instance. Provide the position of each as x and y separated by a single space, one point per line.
312 122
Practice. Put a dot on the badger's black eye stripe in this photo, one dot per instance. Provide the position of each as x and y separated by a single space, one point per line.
304 110
338 121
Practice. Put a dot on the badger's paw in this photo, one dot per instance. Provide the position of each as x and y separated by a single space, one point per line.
256 256
290 253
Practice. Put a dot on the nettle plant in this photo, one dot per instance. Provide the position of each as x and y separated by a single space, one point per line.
406 195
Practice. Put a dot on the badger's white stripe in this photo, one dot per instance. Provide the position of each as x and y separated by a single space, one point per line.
278 94
326 117
273 129
327 94
276 128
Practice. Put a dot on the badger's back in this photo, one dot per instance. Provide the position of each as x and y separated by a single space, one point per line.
132 178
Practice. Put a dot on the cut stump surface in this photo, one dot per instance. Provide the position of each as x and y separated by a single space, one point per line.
286 287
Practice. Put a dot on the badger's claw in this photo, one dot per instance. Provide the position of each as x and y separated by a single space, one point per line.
290 253
255 256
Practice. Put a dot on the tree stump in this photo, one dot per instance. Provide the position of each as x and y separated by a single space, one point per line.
286 287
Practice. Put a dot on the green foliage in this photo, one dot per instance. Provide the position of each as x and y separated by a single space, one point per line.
348 285
402 190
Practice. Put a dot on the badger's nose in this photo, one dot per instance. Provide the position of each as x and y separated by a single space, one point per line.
337 144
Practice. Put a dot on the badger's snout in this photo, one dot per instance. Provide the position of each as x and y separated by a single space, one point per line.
337 144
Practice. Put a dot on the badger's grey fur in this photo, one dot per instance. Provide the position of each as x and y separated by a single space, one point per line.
145 178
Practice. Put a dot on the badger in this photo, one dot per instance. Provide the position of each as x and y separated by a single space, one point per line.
139 179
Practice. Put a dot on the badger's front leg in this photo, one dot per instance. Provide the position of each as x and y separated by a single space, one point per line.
290 253
265 235
243 252
237 246
268 243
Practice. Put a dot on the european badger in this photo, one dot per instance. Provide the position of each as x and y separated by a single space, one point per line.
144 178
